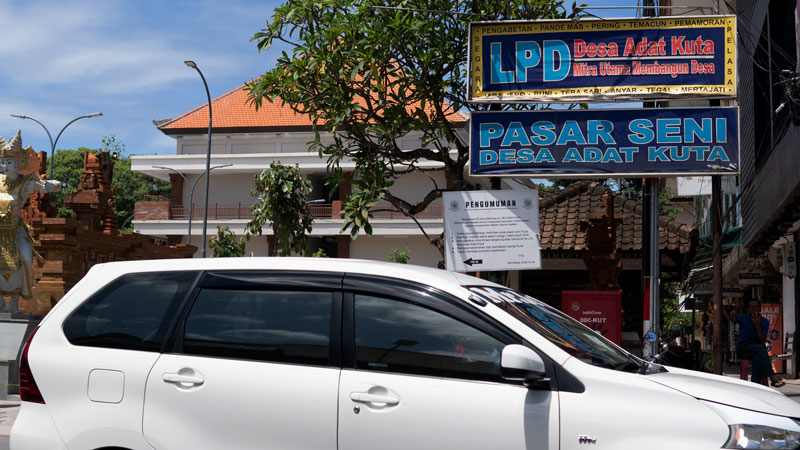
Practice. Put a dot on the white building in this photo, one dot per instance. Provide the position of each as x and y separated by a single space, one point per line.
248 141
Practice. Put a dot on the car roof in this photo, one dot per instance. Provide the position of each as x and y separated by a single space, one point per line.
441 279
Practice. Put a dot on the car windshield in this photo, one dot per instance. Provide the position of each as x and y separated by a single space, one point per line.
567 333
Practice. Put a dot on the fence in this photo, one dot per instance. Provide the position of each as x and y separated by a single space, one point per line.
217 211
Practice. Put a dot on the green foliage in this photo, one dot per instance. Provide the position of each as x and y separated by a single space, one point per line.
224 244
633 188
130 186
110 142
664 201
282 191
398 256
320 253
68 169
373 75
671 317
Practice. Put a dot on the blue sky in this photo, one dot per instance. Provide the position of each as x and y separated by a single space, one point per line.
63 59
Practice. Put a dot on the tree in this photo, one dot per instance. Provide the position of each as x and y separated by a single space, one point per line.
671 316
224 244
282 191
130 186
68 169
399 256
372 74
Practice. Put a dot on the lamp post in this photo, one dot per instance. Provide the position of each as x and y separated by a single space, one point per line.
53 143
191 193
125 224
208 156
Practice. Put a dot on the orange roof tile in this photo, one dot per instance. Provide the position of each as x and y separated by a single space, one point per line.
233 113
560 214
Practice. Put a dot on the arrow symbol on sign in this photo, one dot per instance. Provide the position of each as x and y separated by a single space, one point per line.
471 261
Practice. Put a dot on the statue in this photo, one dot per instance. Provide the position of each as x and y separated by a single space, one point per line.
16 243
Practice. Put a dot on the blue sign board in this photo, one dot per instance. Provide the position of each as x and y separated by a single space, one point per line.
566 61
605 142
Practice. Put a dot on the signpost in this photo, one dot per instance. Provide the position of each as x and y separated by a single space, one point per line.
565 61
590 60
607 143
491 230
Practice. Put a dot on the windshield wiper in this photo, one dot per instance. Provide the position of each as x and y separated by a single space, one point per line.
646 368
628 367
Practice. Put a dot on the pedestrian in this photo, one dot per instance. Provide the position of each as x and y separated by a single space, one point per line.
753 328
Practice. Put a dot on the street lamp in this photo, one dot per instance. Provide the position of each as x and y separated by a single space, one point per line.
208 156
125 224
191 193
53 143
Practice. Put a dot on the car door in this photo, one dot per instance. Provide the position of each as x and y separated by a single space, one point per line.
424 377
255 366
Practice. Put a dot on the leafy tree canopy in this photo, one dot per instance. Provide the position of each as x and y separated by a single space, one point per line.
130 186
372 74
399 256
225 244
281 192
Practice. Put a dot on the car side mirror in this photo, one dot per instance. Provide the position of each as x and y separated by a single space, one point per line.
520 363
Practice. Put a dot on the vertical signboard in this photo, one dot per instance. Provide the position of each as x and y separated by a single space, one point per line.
598 310
774 313
589 60
491 230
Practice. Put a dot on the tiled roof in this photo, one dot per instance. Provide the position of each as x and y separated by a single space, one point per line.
233 112
560 216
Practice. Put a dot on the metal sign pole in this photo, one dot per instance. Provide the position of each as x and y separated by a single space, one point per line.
655 266
716 226
650 266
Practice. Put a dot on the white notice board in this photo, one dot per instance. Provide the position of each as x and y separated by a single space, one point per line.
491 230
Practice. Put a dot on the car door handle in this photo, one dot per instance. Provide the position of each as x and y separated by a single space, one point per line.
178 378
365 397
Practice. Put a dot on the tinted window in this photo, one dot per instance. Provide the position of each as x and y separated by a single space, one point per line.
133 312
280 326
565 332
395 336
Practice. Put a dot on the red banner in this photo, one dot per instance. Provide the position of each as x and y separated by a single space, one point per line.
598 310
774 313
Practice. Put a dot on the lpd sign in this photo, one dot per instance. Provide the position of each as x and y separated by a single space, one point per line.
566 61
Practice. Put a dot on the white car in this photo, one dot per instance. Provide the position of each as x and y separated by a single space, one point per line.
314 353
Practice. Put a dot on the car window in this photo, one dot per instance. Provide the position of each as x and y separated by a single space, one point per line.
133 312
402 337
277 326
567 333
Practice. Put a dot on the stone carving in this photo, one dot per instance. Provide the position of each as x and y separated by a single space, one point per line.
17 183
603 262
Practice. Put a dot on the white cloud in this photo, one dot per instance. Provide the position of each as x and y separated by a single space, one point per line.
59 60
96 46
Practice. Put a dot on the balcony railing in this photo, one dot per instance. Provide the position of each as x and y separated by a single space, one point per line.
239 211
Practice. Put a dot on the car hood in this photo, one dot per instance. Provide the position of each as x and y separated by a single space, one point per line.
727 391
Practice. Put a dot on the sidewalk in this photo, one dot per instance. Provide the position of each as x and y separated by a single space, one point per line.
791 389
8 412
